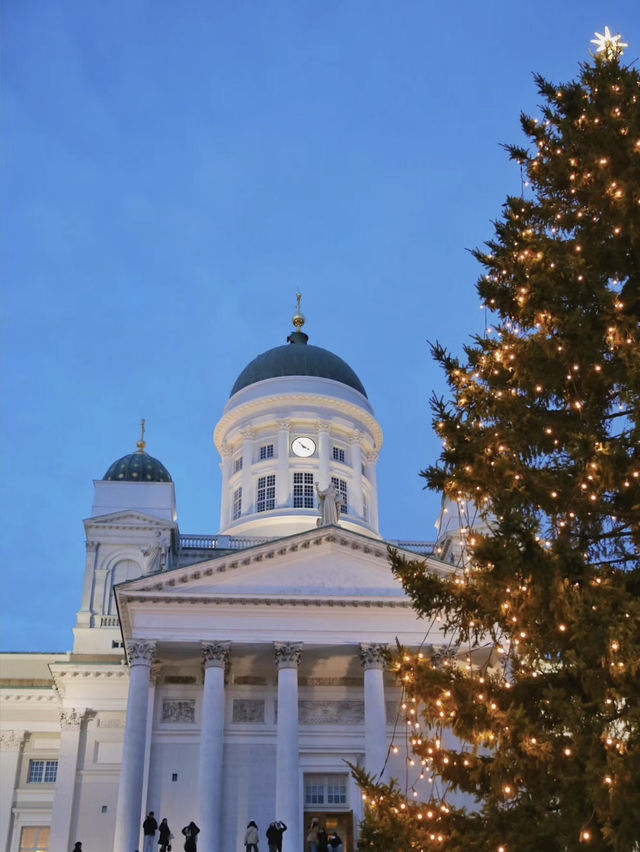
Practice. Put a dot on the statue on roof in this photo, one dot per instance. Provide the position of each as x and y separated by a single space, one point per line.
330 502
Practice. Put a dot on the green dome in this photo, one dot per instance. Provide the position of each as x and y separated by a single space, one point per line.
297 358
137 467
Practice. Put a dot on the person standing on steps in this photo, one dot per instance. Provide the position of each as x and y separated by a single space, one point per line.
274 835
190 832
251 837
164 836
149 828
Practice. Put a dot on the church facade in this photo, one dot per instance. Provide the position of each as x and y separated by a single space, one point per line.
230 677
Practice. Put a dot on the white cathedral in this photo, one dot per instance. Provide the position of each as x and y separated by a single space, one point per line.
223 678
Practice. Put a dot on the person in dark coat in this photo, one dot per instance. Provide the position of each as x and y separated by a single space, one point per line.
164 836
149 828
335 842
78 846
190 832
274 835
323 845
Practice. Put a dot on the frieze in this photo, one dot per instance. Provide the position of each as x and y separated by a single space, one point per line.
330 681
179 710
330 712
111 721
140 652
287 654
248 711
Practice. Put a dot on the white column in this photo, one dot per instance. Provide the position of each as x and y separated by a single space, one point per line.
283 483
323 455
151 703
376 748
248 495
287 763
129 811
84 616
355 498
10 747
371 459
226 452
215 656
62 809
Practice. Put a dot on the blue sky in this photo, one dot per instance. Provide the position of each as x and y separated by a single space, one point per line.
174 172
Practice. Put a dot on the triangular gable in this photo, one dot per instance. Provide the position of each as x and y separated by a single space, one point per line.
329 562
128 518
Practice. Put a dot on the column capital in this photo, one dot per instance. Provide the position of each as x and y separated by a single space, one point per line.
91 546
12 740
226 450
371 456
215 654
248 434
284 425
71 718
373 656
356 437
323 426
287 654
140 652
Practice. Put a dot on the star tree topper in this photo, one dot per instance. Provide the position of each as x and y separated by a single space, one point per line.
610 45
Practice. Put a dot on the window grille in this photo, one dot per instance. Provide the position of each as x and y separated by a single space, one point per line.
303 496
266 451
42 772
237 503
338 454
266 499
325 790
341 486
237 464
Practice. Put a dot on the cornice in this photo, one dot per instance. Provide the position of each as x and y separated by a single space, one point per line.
22 695
265 403
279 601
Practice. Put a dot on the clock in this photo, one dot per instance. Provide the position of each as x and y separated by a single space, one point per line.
303 447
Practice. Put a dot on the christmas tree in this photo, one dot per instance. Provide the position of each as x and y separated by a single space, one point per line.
533 720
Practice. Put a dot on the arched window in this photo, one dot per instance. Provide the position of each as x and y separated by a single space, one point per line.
126 569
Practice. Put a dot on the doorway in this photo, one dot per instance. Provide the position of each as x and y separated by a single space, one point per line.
339 821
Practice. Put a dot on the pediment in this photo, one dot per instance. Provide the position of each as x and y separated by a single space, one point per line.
127 519
328 564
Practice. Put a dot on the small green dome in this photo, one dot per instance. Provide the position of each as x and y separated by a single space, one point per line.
137 467
297 358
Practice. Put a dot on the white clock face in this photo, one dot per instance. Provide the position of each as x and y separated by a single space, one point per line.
303 447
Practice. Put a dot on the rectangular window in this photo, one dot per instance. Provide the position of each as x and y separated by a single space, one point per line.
303 496
338 454
266 498
325 789
42 771
266 451
341 486
237 464
237 503
35 838
336 790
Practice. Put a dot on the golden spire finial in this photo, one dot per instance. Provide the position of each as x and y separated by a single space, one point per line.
298 317
141 443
